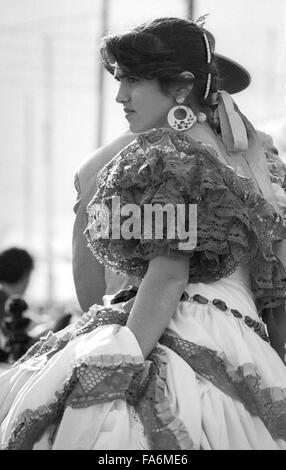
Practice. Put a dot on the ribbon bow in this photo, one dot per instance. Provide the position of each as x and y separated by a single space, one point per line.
233 130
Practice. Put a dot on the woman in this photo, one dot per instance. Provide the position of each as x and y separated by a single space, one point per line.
186 364
16 266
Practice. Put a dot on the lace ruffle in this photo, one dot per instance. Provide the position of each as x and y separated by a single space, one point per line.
38 354
277 172
31 424
100 380
163 430
143 385
235 225
242 383
276 167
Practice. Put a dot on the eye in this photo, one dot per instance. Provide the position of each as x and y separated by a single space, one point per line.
128 78
132 79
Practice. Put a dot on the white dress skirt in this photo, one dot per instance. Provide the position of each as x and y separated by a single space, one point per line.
224 389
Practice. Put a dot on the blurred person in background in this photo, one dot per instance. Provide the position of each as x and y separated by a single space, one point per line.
187 363
16 266
20 326
14 327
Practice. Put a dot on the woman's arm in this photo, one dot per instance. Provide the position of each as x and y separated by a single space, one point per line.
88 273
157 299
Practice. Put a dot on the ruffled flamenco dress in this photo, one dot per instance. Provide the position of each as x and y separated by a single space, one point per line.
213 381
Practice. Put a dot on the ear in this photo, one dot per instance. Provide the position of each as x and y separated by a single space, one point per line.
182 89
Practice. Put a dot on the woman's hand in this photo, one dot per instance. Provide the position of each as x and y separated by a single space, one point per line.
157 299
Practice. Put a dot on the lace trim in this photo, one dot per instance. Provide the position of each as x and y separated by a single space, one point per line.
91 382
276 167
104 379
37 356
164 431
235 224
31 424
277 171
242 383
141 443
108 378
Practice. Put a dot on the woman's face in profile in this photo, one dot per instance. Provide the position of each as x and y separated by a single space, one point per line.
145 105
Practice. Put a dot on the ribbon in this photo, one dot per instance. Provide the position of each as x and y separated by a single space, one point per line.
233 130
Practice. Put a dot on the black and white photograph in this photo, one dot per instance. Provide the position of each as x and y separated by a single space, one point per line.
143 227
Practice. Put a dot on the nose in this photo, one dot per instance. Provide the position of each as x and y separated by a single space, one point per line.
123 94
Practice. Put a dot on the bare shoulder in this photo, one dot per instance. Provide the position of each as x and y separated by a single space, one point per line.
95 161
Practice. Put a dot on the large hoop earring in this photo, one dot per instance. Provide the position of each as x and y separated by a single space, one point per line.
181 124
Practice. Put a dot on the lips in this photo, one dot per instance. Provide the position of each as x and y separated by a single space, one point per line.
127 110
128 113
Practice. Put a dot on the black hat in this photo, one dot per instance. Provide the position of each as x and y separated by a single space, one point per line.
232 76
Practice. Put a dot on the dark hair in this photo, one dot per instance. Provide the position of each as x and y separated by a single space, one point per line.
162 49
15 264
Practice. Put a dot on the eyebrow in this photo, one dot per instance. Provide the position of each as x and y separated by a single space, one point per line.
118 74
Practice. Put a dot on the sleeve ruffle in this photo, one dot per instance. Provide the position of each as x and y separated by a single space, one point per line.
235 224
277 172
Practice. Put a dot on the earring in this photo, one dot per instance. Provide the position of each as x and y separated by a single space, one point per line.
185 118
201 117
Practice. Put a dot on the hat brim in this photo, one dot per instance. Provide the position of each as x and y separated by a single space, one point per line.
233 78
